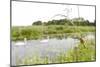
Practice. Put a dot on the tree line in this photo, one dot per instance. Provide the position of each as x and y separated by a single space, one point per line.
75 21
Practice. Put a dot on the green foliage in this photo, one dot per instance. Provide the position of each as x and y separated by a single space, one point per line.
80 54
76 21
61 26
37 32
20 33
37 23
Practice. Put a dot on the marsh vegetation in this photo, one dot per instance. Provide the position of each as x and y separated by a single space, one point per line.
64 43
54 28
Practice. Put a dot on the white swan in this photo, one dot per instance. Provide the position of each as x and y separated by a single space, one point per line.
21 42
45 40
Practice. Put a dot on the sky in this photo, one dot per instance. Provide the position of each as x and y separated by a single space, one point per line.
25 13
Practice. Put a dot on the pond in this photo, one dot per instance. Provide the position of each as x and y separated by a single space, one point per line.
51 48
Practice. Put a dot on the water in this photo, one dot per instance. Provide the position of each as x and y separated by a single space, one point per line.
52 48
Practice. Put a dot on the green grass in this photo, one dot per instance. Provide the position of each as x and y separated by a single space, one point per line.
39 32
80 54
